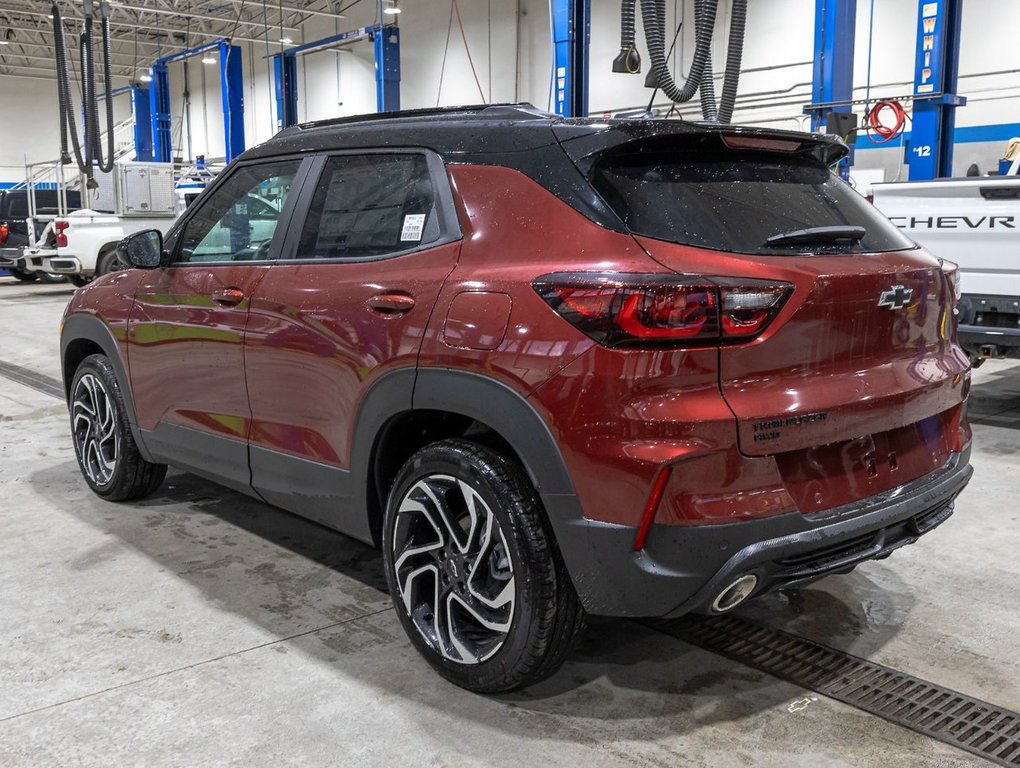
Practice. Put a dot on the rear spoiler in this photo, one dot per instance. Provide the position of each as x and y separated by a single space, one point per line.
587 140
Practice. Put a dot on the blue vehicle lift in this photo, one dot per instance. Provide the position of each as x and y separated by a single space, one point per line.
386 41
142 116
571 39
231 85
929 152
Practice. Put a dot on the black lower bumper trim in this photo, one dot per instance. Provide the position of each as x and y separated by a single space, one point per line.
683 568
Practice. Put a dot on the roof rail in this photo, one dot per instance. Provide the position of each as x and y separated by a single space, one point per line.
517 109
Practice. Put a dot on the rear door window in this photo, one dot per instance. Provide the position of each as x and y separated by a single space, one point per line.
735 200
370 206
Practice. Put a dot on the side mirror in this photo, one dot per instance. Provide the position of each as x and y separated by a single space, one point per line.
143 250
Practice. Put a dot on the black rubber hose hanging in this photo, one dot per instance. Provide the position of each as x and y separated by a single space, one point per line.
106 165
628 61
655 37
88 86
69 122
704 19
734 57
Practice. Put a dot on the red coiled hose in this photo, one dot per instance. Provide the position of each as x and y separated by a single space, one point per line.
887 133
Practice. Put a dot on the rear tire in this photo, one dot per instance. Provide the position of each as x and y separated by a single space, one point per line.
473 569
22 275
79 280
107 455
110 261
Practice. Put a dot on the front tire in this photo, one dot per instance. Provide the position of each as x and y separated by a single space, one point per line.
107 455
473 570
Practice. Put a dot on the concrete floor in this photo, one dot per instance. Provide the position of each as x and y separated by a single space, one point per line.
201 628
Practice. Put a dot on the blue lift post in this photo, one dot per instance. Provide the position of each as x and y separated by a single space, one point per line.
929 153
386 46
571 41
833 77
232 88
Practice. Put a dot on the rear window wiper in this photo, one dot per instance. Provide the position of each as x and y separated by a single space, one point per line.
817 235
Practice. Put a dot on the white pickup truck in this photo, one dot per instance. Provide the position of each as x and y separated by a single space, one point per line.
975 222
83 244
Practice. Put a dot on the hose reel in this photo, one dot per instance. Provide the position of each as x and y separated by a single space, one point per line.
700 80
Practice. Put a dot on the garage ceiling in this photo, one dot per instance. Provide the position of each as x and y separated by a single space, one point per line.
144 30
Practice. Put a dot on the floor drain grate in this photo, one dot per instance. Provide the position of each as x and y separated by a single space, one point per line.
981 728
37 381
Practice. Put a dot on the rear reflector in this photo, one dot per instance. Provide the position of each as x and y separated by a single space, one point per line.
619 310
4 233
650 508
60 227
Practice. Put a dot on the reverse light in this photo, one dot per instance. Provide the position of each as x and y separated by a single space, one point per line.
4 234
61 227
639 310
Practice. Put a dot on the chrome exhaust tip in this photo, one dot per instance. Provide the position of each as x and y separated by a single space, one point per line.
733 595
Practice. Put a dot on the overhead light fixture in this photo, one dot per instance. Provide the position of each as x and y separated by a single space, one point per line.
208 60
146 78
286 40
5 42
393 10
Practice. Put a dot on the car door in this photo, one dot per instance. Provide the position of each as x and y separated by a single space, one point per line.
348 306
185 338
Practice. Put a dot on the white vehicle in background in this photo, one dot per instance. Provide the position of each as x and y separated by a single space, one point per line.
83 244
975 222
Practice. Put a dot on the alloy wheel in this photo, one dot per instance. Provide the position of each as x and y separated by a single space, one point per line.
94 422
453 569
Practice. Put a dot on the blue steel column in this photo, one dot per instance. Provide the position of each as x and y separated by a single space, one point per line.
285 79
936 73
232 86
141 112
833 76
571 40
387 68
159 102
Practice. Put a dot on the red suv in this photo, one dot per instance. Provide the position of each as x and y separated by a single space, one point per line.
551 367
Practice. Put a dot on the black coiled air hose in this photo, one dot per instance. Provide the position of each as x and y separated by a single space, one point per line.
106 165
734 56
628 61
68 121
653 15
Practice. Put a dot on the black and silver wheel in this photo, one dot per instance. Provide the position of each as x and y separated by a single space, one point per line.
473 573
107 455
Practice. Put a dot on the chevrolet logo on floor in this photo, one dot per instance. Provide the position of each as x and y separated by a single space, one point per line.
896 297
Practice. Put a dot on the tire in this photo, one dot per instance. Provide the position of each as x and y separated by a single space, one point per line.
110 463
110 261
46 277
22 275
503 568
79 280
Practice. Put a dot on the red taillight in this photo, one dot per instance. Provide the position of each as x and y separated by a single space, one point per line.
4 232
60 227
662 310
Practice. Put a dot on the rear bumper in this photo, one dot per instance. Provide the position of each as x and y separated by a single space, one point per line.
989 321
683 568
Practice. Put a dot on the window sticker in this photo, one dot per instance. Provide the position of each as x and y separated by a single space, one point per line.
414 224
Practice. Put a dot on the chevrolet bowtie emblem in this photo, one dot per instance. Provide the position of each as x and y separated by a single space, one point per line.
896 297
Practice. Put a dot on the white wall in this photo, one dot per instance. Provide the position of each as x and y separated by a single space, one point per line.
778 52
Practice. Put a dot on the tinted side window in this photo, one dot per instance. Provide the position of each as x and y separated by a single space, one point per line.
19 207
239 219
370 205
734 201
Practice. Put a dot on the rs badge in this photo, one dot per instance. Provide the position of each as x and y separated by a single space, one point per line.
896 297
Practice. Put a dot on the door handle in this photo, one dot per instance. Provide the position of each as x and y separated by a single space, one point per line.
391 303
228 296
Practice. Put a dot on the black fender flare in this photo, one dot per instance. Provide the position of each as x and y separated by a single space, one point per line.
508 413
91 328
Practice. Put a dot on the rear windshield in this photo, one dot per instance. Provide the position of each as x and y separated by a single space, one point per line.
735 200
